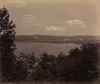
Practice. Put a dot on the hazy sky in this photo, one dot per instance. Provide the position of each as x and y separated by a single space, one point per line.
55 17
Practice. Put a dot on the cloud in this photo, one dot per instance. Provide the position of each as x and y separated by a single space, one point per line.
76 22
39 25
17 3
52 28
35 24
29 19
42 25
55 28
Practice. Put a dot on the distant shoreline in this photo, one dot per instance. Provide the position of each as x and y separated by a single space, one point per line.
48 42
57 39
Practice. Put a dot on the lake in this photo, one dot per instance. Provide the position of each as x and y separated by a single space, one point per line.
39 48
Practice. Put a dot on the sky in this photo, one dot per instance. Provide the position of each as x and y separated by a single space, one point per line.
54 17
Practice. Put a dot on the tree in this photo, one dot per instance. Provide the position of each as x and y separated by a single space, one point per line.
90 60
7 37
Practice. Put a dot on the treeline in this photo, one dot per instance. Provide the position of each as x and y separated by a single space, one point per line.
57 39
80 65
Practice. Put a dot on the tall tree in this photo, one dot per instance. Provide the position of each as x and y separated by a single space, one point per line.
7 46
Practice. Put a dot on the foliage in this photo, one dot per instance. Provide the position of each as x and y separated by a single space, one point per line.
89 62
24 66
80 65
7 37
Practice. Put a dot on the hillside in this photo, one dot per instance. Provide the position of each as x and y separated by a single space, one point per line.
57 39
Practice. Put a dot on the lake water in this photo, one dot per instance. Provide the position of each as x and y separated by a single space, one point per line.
39 48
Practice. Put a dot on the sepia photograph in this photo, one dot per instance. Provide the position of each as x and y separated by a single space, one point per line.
49 41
